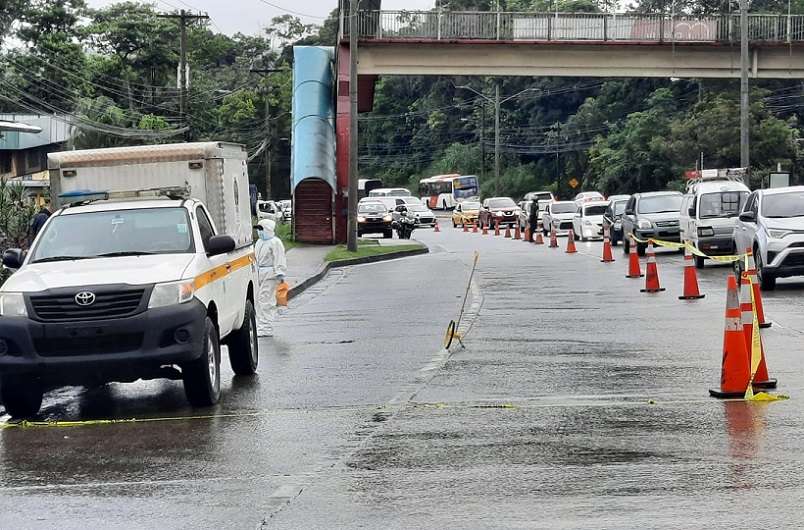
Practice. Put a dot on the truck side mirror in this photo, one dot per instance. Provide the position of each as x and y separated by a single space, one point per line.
12 258
691 211
629 212
747 217
217 245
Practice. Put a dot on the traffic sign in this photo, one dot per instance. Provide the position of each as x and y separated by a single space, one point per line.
573 183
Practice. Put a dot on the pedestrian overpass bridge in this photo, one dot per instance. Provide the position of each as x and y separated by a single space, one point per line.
575 44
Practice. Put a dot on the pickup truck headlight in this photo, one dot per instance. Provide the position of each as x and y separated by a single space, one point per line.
706 231
361 219
386 218
644 224
171 293
12 305
776 233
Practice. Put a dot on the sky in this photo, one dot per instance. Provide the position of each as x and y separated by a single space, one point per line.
251 16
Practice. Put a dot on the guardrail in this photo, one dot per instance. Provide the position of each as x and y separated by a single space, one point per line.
513 26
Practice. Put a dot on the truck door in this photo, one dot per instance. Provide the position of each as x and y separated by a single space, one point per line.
218 289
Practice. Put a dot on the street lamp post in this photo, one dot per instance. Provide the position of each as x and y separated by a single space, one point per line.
497 102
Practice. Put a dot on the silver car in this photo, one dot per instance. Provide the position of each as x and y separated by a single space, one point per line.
772 225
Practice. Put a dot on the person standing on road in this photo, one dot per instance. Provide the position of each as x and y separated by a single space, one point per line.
533 218
272 266
38 222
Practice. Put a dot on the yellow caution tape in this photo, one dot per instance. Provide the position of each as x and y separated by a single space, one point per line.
24 424
764 396
693 249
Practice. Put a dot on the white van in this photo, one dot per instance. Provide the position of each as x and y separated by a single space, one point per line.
709 211
141 274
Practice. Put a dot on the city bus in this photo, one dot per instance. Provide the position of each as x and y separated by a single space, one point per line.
445 191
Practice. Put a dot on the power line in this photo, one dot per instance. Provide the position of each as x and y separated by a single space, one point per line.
292 12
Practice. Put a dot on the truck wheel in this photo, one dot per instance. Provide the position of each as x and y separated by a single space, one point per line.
243 349
767 282
202 377
21 395
699 262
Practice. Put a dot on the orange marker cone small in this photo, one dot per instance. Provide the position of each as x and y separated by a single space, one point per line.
735 371
571 242
690 278
607 256
553 238
652 273
517 232
437 229
497 227
527 237
485 230
634 270
507 231
539 240
465 228
761 378
752 271
474 227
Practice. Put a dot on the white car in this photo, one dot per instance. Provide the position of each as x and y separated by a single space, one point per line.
389 192
559 215
268 210
588 196
587 223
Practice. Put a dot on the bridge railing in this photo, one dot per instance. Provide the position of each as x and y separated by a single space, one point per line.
512 26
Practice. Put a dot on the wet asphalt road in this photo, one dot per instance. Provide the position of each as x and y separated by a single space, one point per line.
579 402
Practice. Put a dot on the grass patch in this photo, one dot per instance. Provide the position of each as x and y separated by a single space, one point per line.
367 249
284 232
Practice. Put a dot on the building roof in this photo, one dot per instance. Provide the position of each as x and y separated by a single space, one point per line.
51 130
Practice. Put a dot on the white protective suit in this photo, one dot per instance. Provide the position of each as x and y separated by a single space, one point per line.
272 266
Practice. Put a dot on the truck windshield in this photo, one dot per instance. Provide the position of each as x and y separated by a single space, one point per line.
115 233
722 204
660 204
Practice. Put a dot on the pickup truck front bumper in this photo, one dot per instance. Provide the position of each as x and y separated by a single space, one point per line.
99 351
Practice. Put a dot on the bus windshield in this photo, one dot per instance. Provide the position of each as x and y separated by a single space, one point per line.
464 187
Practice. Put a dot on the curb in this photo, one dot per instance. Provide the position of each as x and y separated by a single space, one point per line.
296 290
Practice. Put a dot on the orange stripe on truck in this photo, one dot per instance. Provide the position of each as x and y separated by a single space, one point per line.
222 271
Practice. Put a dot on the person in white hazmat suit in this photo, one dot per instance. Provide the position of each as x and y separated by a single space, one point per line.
272 266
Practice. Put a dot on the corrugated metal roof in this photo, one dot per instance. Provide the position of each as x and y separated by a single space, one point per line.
54 130
145 154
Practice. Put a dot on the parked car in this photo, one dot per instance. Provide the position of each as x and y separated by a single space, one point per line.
388 202
613 198
389 192
501 210
407 200
613 217
373 218
651 215
559 215
772 225
465 212
588 196
539 196
587 223
268 210
709 213
287 209
421 214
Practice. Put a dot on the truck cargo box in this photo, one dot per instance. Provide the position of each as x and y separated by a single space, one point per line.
212 172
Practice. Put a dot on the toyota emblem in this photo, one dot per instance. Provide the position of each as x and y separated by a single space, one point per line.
85 298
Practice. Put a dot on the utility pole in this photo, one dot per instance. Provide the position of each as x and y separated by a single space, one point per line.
183 17
483 142
745 160
268 150
351 232
497 137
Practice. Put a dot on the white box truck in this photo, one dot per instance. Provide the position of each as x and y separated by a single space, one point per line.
142 272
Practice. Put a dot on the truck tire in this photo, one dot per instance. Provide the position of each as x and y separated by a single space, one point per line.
202 377
21 396
243 349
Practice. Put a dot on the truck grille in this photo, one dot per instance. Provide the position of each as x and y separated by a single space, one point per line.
565 225
666 224
62 307
793 260
73 346
425 220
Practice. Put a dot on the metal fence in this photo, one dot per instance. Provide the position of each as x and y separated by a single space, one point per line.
510 26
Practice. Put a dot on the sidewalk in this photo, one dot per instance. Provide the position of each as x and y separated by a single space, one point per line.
305 262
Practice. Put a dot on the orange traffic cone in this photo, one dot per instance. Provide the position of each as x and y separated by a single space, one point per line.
553 238
474 227
437 229
690 278
465 227
507 231
571 242
735 367
634 270
752 271
497 227
652 273
485 230
607 257
761 378
517 232
539 240
528 236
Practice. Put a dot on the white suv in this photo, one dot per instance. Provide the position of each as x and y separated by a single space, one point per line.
772 225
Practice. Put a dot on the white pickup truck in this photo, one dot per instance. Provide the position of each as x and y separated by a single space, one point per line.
144 270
